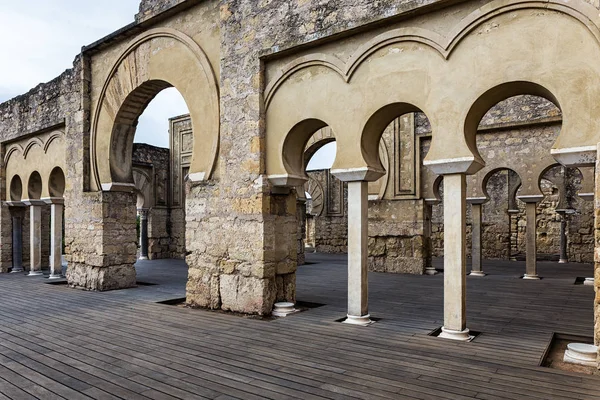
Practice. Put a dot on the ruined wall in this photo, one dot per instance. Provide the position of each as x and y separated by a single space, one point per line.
330 221
166 225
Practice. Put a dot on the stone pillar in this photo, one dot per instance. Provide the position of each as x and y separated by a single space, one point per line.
564 258
358 285
143 213
531 238
35 234
17 214
56 231
513 246
455 235
476 259
101 258
427 214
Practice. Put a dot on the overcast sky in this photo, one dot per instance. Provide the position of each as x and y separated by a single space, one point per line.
40 39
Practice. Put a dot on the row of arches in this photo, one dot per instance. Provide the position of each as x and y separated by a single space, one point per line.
54 184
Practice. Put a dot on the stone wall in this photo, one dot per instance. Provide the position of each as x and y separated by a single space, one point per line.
166 224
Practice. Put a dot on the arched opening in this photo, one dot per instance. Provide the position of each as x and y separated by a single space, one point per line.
56 183
34 186
16 188
160 140
514 124
499 222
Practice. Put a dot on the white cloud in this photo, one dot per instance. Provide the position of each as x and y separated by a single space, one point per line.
153 127
323 158
41 38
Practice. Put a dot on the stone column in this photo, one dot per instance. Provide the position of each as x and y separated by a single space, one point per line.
358 285
513 245
476 259
143 213
427 214
56 233
17 214
455 213
301 220
564 258
35 234
531 236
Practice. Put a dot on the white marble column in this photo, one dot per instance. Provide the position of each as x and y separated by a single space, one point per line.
531 239
35 237
358 285
455 213
476 259
143 213
56 238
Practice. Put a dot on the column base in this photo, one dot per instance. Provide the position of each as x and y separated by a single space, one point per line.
18 270
531 277
455 335
283 309
563 261
35 273
477 273
589 282
364 320
55 276
582 354
430 271
143 258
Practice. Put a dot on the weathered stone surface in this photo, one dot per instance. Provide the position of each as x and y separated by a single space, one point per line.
247 294
101 278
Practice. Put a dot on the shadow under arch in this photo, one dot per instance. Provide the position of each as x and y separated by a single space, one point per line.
490 174
56 183
34 186
495 95
16 188
374 128
568 189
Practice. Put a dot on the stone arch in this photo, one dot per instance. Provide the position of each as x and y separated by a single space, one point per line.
486 178
143 188
494 96
319 139
317 194
34 186
56 183
429 67
153 61
16 188
292 152
374 128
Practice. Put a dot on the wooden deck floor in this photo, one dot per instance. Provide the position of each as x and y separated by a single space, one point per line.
57 342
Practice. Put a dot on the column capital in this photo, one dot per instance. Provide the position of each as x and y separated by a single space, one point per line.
477 200
34 202
367 174
451 166
15 204
143 212
53 200
535 198
287 180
